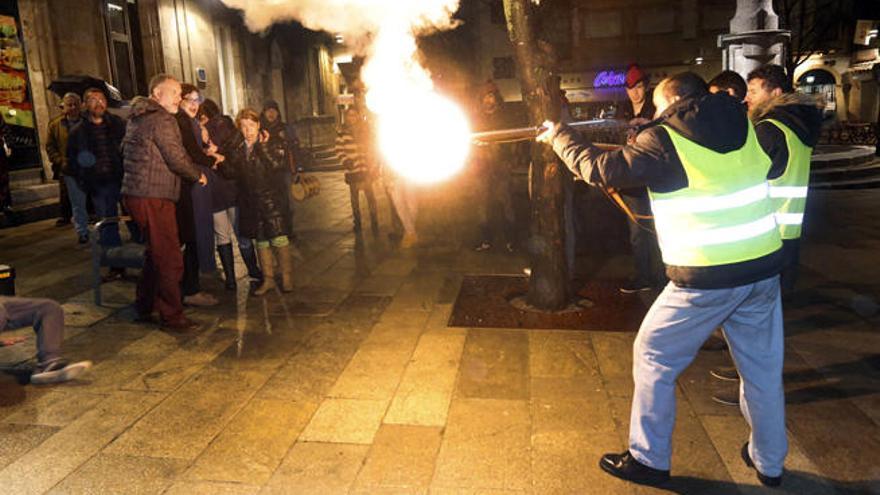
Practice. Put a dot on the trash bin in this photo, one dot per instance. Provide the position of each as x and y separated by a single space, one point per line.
7 280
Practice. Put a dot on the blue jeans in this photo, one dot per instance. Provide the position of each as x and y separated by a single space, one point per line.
106 197
677 324
77 205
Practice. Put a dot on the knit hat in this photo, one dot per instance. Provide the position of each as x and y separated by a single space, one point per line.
634 75
271 104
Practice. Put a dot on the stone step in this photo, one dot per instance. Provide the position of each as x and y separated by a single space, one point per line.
25 177
33 211
831 156
32 193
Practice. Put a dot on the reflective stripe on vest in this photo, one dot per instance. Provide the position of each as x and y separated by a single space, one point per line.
789 191
725 214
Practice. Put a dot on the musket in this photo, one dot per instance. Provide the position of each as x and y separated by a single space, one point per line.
523 133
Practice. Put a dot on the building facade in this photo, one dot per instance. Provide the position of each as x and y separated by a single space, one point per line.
597 40
125 42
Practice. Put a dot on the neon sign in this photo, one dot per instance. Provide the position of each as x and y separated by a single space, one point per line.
609 79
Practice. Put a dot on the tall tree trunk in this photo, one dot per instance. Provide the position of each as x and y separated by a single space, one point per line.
548 285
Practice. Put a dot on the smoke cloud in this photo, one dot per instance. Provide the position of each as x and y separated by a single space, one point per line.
354 19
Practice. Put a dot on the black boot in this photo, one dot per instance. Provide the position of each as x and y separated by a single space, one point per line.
228 262
250 261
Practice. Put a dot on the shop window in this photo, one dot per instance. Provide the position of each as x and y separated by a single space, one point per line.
123 38
602 24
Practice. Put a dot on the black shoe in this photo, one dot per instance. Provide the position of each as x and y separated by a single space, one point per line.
83 239
765 480
727 398
634 286
624 466
61 222
727 373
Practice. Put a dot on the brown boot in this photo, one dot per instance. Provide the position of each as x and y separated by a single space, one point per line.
286 264
266 259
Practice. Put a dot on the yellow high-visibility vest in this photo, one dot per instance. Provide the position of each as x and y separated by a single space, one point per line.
724 215
789 191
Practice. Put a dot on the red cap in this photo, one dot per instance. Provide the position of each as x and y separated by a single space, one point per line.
634 74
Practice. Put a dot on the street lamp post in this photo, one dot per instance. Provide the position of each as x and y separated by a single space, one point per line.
754 39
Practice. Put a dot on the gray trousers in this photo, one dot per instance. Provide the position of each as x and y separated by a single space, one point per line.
45 315
672 332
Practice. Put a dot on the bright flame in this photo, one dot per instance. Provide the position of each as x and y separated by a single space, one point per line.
423 136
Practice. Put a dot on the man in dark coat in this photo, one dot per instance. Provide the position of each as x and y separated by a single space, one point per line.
94 157
155 161
639 110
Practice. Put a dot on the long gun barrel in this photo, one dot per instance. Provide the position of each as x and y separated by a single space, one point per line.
523 133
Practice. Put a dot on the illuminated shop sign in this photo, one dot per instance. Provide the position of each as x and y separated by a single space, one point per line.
609 79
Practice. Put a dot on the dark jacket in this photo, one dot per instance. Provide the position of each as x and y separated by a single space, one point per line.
195 221
222 131
799 112
803 115
263 192
154 158
717 122
81 149
286 134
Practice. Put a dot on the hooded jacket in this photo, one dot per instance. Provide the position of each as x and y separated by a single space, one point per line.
714 121
799 112
154 158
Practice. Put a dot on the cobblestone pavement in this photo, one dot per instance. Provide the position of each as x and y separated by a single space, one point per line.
355 384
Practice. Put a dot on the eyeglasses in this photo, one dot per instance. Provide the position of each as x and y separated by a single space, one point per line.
193 99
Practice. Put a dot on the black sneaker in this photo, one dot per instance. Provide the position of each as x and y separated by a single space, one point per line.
624 466
726 373
727 398
83 239
635 286
765 480
57 371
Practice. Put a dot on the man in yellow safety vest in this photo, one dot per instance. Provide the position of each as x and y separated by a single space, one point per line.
707 180
788 126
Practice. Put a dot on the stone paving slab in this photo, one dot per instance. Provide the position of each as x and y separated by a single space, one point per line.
427 385
18 439
210 488
58 407
486 446
317 468
401 460
253 444
186 422
121 474
495 365
58 456
353 421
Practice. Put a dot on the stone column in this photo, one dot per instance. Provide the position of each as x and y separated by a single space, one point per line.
754 39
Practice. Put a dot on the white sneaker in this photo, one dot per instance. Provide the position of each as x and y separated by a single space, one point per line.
58 371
